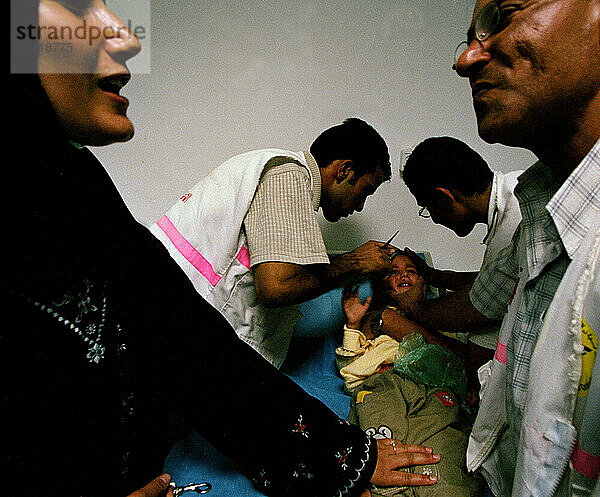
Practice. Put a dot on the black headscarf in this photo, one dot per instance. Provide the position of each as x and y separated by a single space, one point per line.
65 224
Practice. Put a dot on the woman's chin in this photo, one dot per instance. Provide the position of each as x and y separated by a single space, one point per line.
116 132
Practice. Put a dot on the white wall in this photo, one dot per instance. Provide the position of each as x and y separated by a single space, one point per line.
230 76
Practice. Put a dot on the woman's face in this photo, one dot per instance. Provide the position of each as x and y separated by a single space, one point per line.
83 51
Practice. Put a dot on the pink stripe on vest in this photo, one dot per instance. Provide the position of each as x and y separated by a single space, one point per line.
500 354
585 463
243 257
187 250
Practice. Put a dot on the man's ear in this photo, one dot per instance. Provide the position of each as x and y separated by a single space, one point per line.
444 197
345 170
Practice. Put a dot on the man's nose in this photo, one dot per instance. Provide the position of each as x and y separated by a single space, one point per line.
473 56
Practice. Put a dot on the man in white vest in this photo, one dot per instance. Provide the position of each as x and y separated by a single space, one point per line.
456 188
534 72
247 235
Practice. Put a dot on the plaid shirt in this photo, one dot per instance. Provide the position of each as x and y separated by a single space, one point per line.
527 274
537 256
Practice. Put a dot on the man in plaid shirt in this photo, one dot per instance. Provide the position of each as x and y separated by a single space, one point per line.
534 71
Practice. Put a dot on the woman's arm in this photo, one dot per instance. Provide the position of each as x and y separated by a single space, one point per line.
287 442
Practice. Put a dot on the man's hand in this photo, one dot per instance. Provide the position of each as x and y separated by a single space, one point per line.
425 270
159 487
393 455
354 309
442 278
371 257
404 301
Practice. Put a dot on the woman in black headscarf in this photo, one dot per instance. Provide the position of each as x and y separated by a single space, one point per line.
101 357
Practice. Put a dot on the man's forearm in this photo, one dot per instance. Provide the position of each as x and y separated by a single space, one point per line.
310 281
282 284
453 312
452 280
342 268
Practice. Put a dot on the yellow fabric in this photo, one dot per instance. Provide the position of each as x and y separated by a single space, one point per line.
361 396
589 340
370 355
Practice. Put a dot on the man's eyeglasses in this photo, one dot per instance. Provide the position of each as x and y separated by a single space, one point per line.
423 212
484 26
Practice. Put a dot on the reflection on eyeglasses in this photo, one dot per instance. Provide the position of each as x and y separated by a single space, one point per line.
423 212
484 26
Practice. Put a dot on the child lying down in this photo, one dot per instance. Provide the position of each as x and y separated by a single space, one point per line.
406 383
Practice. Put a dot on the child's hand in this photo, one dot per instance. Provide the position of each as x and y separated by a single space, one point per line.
354 309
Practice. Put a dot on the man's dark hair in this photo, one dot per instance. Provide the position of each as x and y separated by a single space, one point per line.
353 140
445 162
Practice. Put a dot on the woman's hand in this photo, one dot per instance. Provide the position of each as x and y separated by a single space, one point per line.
159 487
354 309
393 455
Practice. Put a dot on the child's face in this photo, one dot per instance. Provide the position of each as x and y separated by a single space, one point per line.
404 280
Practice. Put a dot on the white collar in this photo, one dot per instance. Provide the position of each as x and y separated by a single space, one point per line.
493 209
315 176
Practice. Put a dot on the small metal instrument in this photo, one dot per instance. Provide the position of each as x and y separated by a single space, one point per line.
199 488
